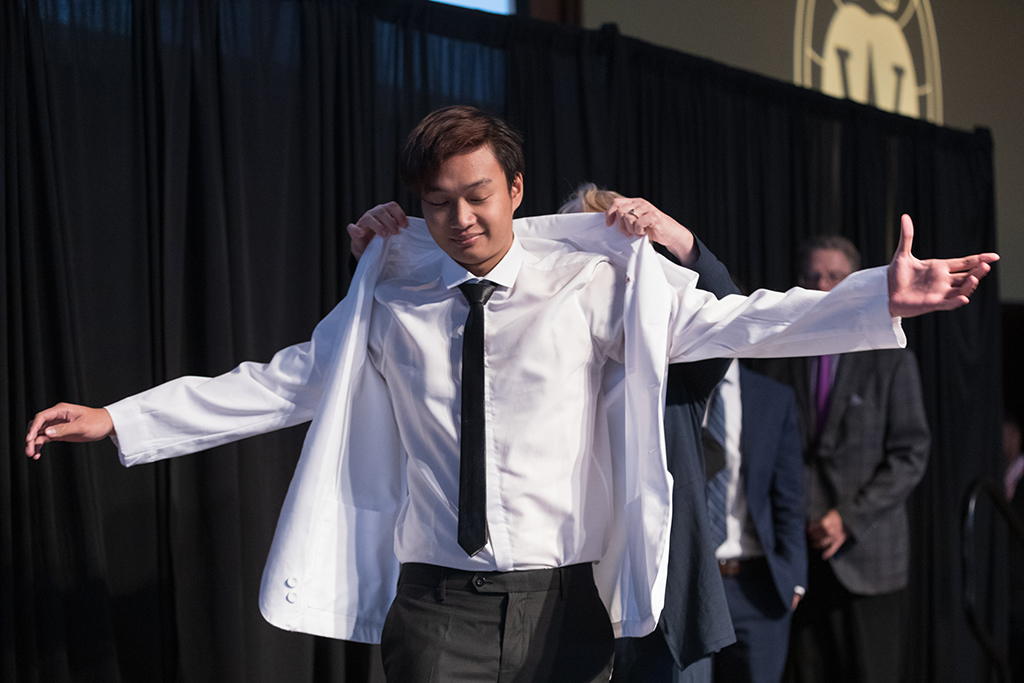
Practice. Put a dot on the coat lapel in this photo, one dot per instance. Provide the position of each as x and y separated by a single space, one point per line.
748 445
801 384
842 388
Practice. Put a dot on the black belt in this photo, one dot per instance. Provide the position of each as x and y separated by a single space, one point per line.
525 581
735 567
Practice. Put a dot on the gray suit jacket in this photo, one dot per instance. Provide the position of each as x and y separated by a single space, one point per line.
869 457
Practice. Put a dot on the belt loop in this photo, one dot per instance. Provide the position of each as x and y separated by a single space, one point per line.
563 581
439 590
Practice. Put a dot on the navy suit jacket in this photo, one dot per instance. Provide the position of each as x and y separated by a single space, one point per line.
695 620
771 468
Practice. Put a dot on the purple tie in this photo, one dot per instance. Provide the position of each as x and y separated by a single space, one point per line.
821 390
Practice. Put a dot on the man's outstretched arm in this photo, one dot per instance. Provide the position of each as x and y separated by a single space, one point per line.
917 287
858 314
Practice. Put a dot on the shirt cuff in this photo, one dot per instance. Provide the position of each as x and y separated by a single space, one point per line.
121 414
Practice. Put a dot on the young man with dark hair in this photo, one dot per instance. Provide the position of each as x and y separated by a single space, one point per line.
491 446
448 132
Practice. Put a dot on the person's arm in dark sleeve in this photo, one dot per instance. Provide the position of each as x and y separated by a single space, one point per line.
712 276
638 217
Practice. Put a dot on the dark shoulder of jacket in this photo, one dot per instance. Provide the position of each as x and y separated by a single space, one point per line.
888 358
782 370
766 382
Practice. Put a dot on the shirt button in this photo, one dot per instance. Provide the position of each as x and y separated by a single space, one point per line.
292 597
291 582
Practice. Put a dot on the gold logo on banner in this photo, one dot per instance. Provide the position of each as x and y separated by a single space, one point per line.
878 52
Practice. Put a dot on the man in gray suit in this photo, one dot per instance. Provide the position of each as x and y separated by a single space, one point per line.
866 444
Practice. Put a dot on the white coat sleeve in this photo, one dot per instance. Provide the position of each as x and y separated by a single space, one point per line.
191 414
852 317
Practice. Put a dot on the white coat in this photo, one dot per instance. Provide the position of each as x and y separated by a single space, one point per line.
332 570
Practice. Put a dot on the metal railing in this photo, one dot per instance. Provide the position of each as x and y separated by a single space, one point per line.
995 651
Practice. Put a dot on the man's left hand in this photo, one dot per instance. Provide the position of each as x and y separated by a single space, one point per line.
917 287
828 534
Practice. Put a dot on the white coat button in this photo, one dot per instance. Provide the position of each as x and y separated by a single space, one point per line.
291 582
292 597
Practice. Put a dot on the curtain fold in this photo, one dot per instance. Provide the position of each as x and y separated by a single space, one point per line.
177 181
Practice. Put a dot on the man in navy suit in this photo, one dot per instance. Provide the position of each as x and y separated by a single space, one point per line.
695 620
756 513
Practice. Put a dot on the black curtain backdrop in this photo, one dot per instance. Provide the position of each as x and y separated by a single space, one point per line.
177 177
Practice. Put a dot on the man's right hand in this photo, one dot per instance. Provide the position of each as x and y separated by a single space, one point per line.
67 422
383 219
828 534
917 287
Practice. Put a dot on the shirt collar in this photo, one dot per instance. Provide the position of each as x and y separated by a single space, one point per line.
503 274
732 375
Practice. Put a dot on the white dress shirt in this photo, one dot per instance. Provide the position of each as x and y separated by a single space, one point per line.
741 540
333 566
550 329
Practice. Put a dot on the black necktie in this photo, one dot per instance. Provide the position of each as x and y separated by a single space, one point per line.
472 468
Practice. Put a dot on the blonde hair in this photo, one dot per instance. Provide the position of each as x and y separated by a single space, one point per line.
589 198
